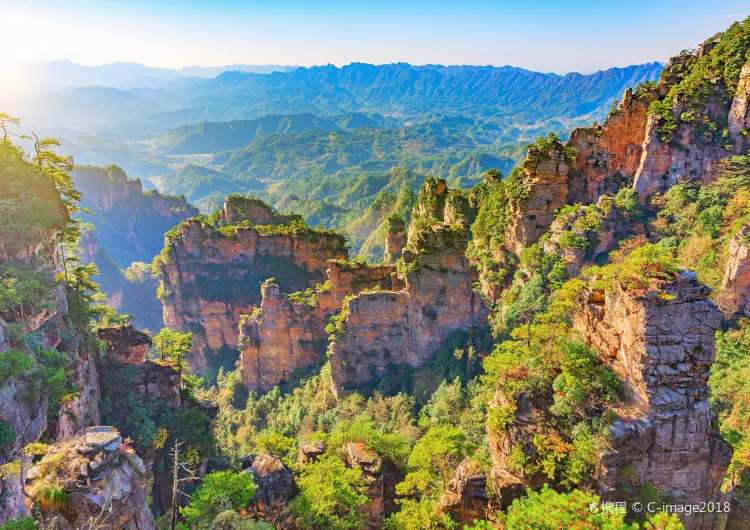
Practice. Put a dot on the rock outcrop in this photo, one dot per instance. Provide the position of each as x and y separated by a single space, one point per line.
380 479
735 290
661 343
431 298
289 331
155 380
546 181
275 481
93 479
125 344
310 452
466 497
395 238
211 276
585 233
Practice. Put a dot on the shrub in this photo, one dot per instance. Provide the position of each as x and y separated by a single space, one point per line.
7 434
330 494
13 363
221 490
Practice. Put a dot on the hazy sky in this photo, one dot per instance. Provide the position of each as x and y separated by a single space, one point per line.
557 36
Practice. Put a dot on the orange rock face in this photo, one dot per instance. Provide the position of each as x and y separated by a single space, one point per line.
288 333
432 299
609 151
212 278
736 286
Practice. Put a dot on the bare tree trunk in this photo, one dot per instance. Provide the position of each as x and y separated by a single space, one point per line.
175 484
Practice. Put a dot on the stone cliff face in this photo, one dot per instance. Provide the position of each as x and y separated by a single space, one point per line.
692 153
395 238
128 226
29 422
289 332
158 380
381 484
105 187
431 298
629 144
29 419
466 497
93 480
608 153
547 183
662 346
736 285
211 277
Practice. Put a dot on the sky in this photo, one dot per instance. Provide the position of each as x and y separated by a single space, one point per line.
548 36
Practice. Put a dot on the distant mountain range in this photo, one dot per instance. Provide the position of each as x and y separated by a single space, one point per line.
55 76
507 95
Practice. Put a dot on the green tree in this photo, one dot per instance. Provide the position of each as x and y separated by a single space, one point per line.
173 346
220 491
433 459
6 120
20 524
330 494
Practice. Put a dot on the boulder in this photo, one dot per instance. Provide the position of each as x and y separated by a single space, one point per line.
92 479
274 479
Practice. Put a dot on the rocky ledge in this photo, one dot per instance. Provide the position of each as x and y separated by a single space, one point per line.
93 480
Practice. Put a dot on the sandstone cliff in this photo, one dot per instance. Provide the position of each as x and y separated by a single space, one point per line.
661 343
211 275
736 284
431 298
661 135
545 178
607 154
289 331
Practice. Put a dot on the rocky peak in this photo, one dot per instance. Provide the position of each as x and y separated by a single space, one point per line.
466 495
607 154
431 298
395 238
380 479
104 187
91 478
154 379
275 481
238 208
211 276
545 178
310 452
125 344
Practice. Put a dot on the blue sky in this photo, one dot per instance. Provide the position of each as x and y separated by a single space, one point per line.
550 36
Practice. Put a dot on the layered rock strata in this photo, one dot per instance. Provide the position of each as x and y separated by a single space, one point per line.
431 299
466 497
289 331
661 343
211 276
380 478
547 183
